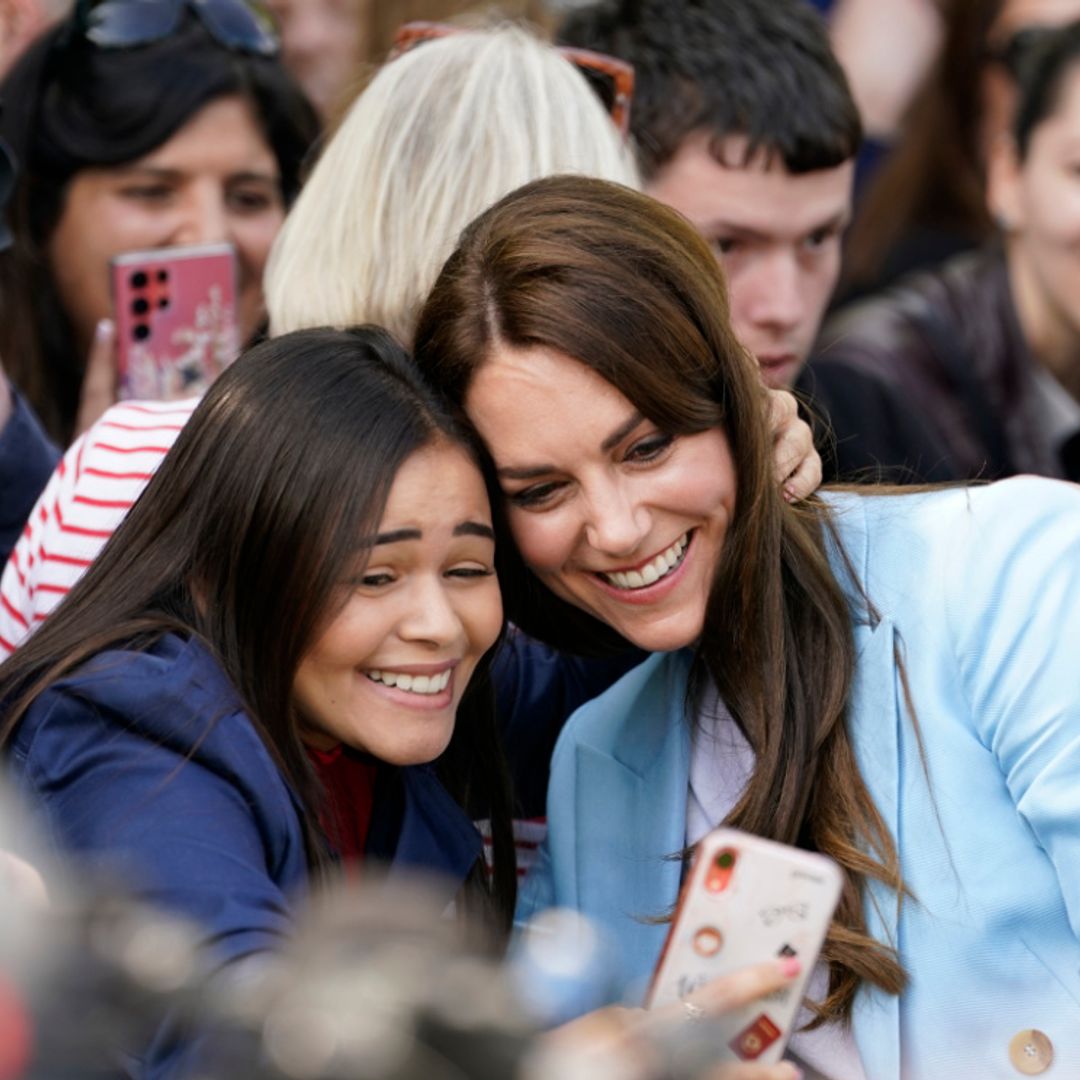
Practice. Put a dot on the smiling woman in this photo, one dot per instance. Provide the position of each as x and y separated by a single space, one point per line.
886 679
280 657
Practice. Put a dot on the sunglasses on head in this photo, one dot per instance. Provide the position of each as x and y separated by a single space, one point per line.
1013 52
127 24
611 79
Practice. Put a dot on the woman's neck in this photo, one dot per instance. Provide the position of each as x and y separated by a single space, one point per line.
1052 337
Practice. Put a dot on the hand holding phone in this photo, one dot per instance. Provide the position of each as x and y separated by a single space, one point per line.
175 315
748 900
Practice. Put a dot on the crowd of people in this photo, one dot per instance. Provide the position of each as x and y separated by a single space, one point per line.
501 549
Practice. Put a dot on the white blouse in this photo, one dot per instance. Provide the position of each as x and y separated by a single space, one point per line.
720 765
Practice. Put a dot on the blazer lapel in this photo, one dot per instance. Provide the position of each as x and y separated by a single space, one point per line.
632 815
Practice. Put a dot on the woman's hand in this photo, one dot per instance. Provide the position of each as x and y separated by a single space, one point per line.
796 463
100 381
627 1043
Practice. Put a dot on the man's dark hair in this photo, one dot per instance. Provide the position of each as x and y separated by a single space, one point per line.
759 68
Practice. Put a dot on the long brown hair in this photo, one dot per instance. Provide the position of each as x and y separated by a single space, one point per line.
934 179
625 285
242 539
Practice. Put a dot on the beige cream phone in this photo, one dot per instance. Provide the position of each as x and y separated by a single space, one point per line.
744 901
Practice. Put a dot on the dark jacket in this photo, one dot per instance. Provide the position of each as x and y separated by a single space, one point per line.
27 459
934 376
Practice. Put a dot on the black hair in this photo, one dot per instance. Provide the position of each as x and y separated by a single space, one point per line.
69 106
759 68
243 538
1043 72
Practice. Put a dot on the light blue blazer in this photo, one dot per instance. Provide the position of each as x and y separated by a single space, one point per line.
979 591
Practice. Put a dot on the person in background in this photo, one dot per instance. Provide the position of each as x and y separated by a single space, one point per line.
928 202
332 47
760 162
324 46
27 454
21 21
986 348
887 679
136 125
279 665
743 121
885 48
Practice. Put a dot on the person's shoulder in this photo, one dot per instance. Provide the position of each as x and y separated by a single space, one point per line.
907 546
133 431
173 694
898 320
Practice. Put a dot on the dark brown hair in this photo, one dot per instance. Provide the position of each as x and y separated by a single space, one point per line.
934 178
625 285
763 69
243 538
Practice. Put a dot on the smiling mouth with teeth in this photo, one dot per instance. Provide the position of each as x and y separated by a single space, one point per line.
652 571
413 684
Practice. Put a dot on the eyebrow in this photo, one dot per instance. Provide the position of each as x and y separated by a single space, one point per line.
159 172
838 220
465 528
613 440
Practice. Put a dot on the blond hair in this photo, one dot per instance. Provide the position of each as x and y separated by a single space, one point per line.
438 136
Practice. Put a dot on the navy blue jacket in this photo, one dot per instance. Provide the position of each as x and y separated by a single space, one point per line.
147 763
27 459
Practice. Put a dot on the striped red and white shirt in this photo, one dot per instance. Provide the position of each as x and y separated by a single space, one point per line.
93 487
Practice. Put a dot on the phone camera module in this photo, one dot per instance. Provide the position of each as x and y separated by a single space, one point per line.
718 876
140 306
139 279
140 332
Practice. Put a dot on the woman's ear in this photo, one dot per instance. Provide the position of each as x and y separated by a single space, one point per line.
1004 184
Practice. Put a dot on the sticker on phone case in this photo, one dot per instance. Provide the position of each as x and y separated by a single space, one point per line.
754 1040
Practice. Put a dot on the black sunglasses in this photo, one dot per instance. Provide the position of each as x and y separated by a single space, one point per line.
1013 53
127 24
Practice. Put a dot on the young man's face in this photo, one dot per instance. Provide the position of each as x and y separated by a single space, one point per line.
777 236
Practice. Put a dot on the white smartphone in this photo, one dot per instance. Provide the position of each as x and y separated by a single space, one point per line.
744 901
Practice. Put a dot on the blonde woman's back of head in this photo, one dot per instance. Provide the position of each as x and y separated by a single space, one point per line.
438 136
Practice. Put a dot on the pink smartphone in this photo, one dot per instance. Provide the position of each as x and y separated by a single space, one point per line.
744 901
175 313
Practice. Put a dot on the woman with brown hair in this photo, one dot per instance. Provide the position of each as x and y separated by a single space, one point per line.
853 676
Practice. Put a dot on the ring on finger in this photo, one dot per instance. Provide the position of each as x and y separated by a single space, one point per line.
694 1013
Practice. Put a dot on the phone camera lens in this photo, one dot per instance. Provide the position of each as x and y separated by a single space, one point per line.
163 275
139 279
163 302
725 860
141 332
140 306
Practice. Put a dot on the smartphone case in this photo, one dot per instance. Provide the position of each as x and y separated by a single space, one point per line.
744 901
175 313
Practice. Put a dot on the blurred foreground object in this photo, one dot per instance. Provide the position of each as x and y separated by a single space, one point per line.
379 982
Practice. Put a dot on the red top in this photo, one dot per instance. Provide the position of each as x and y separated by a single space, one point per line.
348 778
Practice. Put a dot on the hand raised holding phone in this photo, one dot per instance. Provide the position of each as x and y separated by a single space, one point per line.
744 900
626 1042
175 315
